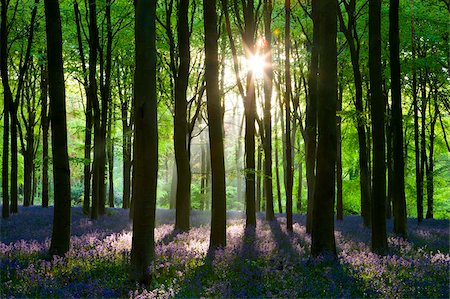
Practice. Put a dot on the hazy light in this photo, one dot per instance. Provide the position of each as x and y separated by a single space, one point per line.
256 63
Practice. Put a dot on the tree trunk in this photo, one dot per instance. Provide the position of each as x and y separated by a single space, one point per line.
60 241
7 99
258 179
203 175
250 115
214 108
268 86
398 179
183 195
145 173
322 238
389 162
419 175
92 96
379 238
423 150
353 41
45 128
430 164
277 167
311 117
287 104
88 115
14 207
111 157
339 202
300 185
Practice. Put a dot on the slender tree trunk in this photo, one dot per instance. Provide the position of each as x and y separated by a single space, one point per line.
105 91
7 99
214 108
389 163
398 180
430 164
250 115
379 238
258 179
60 241
183 195
339 202
88 115
300 178
145 173
311 117
322 237
287 102
14 207
92 96
419 176
353 41
423 150
111 157
28 163
268 86
203 176
45 128
277 167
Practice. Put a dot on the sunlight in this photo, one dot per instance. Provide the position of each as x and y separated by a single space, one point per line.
256 63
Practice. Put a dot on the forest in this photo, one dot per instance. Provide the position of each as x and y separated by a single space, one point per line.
225 148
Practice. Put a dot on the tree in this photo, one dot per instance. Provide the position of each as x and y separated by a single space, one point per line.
379 238
268 86
398 179
215 121
60 242
247 31
183 195
322 237
93 98
311 117
7 99
145 173
354 43
287 105
45 121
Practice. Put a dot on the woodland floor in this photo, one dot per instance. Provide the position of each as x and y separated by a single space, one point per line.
268 262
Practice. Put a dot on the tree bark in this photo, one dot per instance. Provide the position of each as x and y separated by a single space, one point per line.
88 115
398 179
214 108
183 195
311 117
60 241
287 104
145 173
268 86
258 179
430 164
339 202
93 97
45 121
354 47
7 99
322 237
379 238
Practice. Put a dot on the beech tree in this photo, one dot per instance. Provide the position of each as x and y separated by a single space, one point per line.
322 237
215 125
60 242
379 238
145 173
